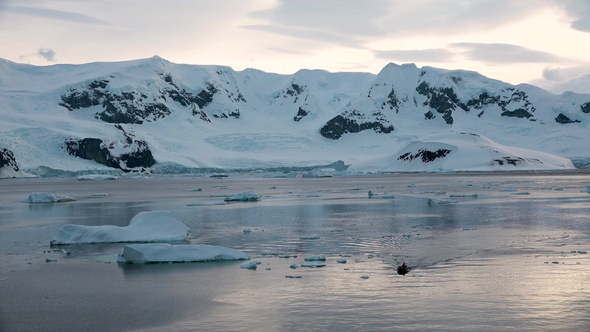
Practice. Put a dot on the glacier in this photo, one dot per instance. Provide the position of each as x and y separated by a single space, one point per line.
154 116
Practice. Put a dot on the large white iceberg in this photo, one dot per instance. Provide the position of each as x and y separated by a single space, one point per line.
39 197
168 253
147 226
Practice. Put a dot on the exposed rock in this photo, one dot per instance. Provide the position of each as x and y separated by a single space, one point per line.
517 113
353 122
563 119
300 114
425 155
443 100
134 153
585 107
8 166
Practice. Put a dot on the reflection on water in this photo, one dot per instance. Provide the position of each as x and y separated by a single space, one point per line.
497 261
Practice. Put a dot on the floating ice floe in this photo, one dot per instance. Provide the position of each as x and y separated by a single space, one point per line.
250 265
313 264
309 237
167 253
206 203
315 258
243 197
147 226
96 177
587 190
436 201
40 197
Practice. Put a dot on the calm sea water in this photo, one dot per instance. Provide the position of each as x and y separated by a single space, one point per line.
490 252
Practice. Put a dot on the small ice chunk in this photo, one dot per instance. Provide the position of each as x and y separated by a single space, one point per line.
583 252
100 195
50 260
309 237
206 203
313 264
247 230
436 201
168 253
315 258
521 193
250 265
96 177
463 195
587 190
293 266
293 276
197 189
364 277
243 197
341 261
41 197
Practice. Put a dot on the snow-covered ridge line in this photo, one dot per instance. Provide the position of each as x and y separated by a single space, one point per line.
151 115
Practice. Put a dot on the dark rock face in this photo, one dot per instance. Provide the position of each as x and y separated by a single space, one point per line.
8 160
513 160
132 107
442 100
354 122
137 153
563 119
425 155
517 113
300 114
585 107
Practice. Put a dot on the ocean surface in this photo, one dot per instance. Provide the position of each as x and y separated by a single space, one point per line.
488 251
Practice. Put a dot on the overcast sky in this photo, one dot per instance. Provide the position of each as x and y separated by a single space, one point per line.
544 42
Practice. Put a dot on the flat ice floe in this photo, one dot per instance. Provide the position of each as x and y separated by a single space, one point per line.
40 197
243 197
97 177
147 226
168 253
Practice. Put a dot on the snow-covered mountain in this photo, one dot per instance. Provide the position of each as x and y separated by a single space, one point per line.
168 117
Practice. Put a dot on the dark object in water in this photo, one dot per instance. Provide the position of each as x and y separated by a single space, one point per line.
403 269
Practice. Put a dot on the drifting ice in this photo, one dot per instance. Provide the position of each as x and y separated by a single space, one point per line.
39 197
243 197
167 253
152 226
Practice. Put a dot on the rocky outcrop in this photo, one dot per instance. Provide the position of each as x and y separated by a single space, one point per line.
355 121
8 161
128 154
425 155
563 119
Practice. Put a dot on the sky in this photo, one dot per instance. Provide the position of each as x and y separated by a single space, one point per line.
542 42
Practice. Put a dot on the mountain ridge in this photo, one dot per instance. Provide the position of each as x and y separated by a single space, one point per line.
214 117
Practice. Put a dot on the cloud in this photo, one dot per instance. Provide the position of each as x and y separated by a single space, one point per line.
579 12
351 22
561 79
53 14
498 53
46 53
426 55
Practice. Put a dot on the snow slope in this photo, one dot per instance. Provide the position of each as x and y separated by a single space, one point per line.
203 117
462 152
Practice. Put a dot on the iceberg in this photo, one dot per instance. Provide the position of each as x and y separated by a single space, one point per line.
147 226
183 253
243 197
40 197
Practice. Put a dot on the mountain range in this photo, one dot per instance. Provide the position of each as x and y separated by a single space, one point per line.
157 116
